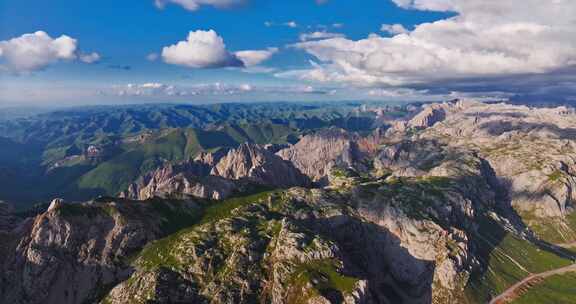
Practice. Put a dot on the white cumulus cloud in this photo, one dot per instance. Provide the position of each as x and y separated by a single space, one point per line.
202 49
35 51
193 5
206 49
486 38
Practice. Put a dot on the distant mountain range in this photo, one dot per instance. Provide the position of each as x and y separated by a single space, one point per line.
82 152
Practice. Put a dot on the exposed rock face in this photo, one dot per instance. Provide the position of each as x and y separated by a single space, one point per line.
217 176
409 158
186 178
71 253
428 221
300 258
316 154
255 164
391 241
428 117
55 204
531 150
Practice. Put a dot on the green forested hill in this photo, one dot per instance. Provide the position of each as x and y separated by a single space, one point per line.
116 173
78 178
85 122
43 155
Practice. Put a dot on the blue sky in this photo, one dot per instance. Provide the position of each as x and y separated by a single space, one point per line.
124 33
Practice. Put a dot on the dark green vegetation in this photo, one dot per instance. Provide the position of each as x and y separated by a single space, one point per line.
80 177
558 289
67 126
45 155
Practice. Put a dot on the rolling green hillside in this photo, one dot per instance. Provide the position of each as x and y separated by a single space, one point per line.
78 178
43 155
86 123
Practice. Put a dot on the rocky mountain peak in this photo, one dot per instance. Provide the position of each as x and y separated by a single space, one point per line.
69 253
316 154
256 164
217 175
55 204
437 112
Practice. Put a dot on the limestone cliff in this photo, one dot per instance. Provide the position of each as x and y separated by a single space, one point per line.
316 154
253 163
72 253
218 175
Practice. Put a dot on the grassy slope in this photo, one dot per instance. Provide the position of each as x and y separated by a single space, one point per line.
553 230
558 289
157 253
509 259
117 173
323 276
80 180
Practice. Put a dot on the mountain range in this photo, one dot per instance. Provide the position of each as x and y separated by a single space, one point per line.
454 202
84 152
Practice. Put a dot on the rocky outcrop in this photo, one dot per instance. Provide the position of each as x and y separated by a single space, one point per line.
74 252
306 256
428 117
184 179
409 158
180 184
530 149
316 154
437 112
374 244
218 175
255 164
